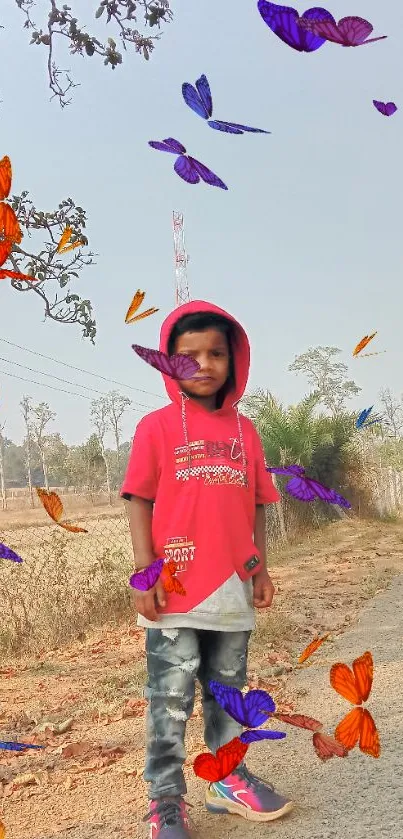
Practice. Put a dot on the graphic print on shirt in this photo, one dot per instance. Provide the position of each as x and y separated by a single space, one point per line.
201 461
181 550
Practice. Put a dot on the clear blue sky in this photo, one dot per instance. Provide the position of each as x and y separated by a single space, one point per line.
304 248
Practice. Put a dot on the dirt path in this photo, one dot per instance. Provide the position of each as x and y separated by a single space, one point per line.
87 782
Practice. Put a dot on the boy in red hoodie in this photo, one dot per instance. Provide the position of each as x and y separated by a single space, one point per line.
196 487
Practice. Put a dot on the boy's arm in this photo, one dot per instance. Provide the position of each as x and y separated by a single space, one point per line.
140 513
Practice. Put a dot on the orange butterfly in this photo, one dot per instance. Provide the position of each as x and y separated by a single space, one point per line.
324 745
2 830
169 581
355 686
311 648
10 231
227 758
54 508
63 245
363 343
134 305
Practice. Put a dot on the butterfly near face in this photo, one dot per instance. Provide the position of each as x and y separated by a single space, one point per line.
307 489
188 168
54 508
348 32
177 366
355 685
385 108
8 553
283 21
199 99
138 298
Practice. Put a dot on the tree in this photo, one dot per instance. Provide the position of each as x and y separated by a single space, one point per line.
121 14
26 408
393 411
116 406
41 415
56 456
99 417
326 376
51 268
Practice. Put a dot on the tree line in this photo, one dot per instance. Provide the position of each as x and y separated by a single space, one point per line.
45 459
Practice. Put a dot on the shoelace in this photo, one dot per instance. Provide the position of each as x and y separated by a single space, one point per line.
250 780
169 812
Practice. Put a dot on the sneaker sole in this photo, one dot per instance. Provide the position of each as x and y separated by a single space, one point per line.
233 809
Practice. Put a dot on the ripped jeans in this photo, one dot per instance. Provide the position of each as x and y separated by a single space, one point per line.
175 659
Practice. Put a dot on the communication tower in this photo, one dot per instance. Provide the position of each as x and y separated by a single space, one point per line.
181 260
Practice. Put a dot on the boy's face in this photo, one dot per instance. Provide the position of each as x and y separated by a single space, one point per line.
210 349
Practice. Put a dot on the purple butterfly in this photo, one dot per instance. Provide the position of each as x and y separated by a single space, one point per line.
348 32
250 710
283 21
188 168
7 553
253 736
17 747
147 578
306 489
178 366
385 108
199 100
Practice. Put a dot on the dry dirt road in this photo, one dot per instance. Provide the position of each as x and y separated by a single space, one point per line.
84 703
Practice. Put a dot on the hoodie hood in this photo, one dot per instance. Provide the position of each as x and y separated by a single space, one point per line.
240 351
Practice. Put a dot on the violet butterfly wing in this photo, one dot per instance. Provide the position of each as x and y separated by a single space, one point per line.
293 469
348 32
177 366
283 21
206 174
194 100
385 108
146 578
185 169
300 490
203 89
8 553
254 736
249 710
234 127
330 496
170 145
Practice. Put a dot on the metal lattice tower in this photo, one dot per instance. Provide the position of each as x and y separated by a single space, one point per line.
181 260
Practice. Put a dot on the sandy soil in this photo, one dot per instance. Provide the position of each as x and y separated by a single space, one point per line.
84 701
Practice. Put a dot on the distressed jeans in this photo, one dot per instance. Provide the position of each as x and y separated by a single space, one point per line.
175 659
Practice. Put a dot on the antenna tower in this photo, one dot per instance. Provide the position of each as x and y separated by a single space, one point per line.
181 260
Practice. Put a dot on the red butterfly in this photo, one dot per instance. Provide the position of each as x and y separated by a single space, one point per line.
324 745
227 758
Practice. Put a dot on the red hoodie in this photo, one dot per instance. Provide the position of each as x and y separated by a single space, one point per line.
205 472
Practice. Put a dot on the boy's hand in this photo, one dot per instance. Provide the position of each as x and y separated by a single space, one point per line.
263 589
146 602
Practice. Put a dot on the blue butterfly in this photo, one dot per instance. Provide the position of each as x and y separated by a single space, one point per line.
17 747
249 710
199 100
361 421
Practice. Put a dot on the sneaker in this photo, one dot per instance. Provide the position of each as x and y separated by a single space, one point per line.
243 794
168 819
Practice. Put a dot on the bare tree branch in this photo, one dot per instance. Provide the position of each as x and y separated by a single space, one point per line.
119 13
